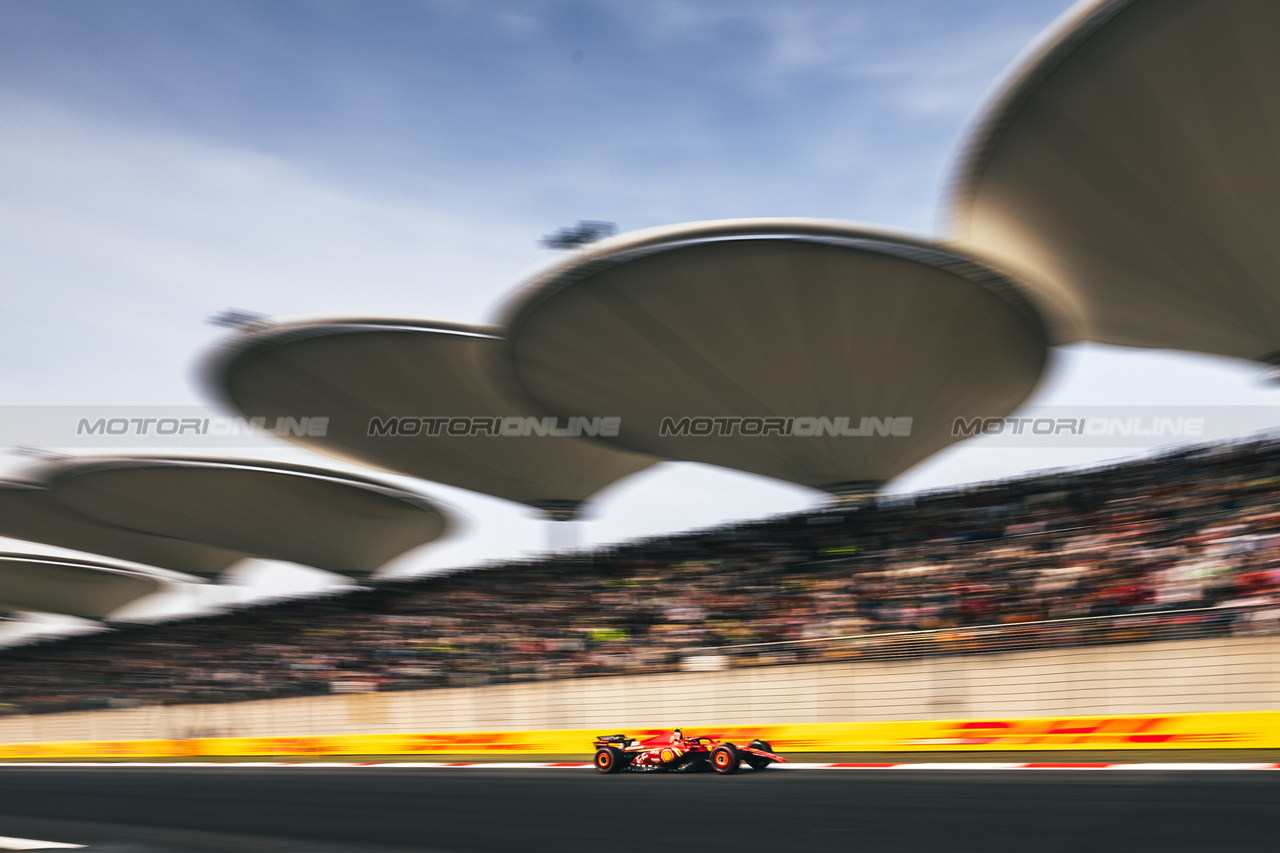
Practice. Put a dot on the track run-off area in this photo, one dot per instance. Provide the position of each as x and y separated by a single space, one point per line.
318 808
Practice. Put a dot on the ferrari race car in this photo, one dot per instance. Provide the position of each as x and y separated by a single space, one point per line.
676 753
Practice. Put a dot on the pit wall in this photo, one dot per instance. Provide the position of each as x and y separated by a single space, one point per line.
1195 692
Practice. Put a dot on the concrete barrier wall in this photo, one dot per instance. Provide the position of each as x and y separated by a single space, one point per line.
1186 676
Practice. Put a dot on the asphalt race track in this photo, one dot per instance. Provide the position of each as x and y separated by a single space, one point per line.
329 810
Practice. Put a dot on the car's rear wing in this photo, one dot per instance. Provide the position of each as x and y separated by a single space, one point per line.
612 738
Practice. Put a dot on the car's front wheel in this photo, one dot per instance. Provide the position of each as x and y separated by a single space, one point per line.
610 759
725 758
755 762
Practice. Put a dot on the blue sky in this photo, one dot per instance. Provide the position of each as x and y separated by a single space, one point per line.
673 109
163 161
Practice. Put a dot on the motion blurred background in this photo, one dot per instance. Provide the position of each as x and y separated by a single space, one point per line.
184 188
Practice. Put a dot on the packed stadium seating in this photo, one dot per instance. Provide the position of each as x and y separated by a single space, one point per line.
1184 543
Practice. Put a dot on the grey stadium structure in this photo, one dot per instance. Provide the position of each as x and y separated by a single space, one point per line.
314 517
1130 168
396 389
72 587
29 512
202 516
827 354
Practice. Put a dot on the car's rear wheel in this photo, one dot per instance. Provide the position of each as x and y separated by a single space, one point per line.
725 758
610 759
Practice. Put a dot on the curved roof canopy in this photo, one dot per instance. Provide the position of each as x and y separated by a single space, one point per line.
358 370
71 587
778 324
1131 164
325 519
28 511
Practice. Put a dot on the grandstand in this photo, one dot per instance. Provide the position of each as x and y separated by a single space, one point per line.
1183 544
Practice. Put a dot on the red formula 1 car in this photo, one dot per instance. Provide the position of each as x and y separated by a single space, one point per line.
677 753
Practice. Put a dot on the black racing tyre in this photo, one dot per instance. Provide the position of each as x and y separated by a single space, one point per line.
755 762
725 758
610 759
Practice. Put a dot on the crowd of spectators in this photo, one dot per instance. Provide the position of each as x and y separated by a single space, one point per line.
1148 549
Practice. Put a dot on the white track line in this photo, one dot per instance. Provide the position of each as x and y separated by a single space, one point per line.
33 844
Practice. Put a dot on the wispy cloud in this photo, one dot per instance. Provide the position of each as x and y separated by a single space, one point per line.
119 243
677 109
